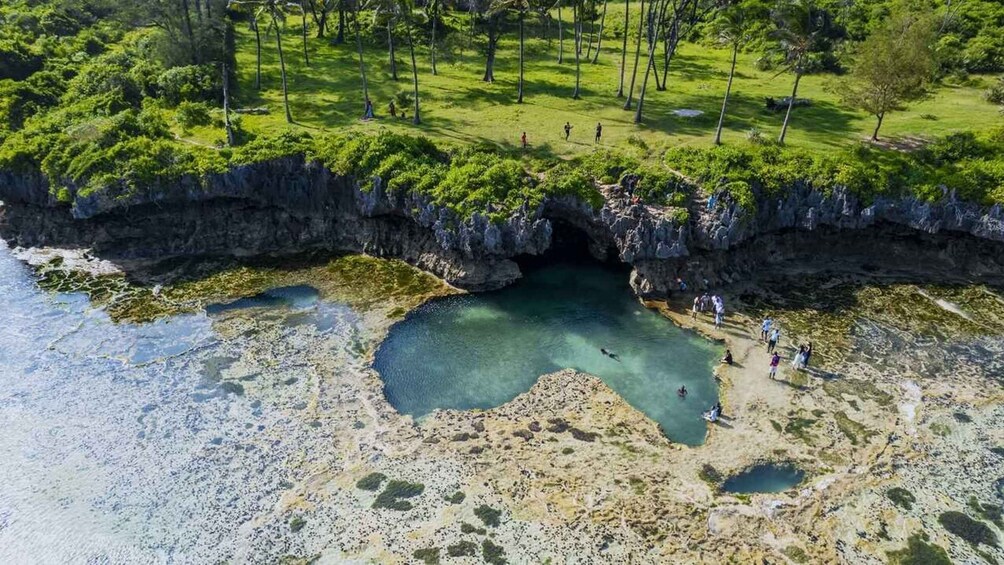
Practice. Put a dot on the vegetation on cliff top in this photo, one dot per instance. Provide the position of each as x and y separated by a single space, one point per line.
118 99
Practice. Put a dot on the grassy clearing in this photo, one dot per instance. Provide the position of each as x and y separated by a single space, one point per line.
457 106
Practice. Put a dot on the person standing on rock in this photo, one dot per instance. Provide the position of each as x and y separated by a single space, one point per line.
765 328
775 336
697 307
775 360
808 353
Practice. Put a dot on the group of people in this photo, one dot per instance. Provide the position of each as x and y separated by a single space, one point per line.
705 302
770 334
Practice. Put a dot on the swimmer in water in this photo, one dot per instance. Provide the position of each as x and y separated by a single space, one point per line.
610 354
682 391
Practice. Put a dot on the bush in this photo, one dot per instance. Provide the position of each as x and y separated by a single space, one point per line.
995 94
192 83
919 552
567 180
191 114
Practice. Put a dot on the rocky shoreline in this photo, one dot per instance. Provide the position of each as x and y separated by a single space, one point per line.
290 206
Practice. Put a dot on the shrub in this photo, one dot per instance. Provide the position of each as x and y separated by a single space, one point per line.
567 180
995 93
191 114
267 148
469 529
456 498
192 83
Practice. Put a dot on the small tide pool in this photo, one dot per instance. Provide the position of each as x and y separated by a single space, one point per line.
480 351
766 477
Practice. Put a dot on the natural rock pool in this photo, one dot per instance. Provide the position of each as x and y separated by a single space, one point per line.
480 351
767 477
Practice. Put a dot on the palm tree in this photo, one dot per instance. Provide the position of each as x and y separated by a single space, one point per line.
561 36
303 21
407 9
627 11
799 27
257 40
637 53
599 36
733 29
577 28
359 50
275 10
657 14
432 13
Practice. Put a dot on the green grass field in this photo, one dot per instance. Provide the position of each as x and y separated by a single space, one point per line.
458 106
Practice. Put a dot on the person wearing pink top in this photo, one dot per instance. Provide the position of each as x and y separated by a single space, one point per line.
775 360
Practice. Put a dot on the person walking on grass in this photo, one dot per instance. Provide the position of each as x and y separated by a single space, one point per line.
599 132
775 360
765 328
568 130
522 140
775 336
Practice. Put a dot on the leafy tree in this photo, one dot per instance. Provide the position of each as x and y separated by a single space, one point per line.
894 66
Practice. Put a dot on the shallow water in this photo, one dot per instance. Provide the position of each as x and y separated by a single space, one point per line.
480 351
768 477
167 442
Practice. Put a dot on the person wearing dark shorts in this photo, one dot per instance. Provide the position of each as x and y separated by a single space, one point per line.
599 131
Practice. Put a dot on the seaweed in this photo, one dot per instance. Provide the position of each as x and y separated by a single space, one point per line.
488 515
973 531
371 482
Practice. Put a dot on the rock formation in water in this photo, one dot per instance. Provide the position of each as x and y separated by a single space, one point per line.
288 206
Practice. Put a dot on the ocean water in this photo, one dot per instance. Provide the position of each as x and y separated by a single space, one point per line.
480 351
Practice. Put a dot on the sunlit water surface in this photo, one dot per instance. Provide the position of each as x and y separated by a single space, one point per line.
480 351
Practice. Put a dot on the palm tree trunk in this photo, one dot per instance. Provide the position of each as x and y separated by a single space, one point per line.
620 86
359 49
561 37
257 40
787 114
492 44
577 27
592 29
519 100
877 126
432 41
414 76
303 20
390 48
599 37
188 28
282 70
340 37
653 42
637 54
728 89
231 138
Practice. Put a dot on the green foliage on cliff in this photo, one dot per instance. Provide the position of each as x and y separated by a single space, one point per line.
971 164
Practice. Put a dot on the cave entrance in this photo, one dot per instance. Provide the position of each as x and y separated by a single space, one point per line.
572 244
